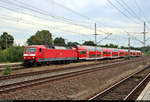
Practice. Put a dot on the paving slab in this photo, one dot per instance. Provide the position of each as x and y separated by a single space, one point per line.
145 95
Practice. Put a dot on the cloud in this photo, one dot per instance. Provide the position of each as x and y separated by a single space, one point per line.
25 22
99 10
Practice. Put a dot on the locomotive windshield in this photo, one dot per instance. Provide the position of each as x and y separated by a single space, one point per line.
30 50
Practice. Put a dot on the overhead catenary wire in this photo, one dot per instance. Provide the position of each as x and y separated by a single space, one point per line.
24 4
57 30
75 12
124 14
39 24
66 20
27 14
121 11
139 8
143 14
34 9
136 16
40 13
126 9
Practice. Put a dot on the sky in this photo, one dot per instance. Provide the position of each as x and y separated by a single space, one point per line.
75 20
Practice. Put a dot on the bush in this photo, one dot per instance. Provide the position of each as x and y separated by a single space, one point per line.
3 56
12 54
6 71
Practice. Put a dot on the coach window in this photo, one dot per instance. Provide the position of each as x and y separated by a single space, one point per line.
80 52
83 52
40 50
108 52
121 52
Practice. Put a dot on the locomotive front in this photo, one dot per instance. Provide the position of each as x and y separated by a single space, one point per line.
29 55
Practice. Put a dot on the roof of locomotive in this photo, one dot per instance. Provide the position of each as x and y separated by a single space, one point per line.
62 47
50 47
39 46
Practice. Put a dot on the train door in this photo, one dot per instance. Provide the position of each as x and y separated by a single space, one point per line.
40 56
87 55
111 53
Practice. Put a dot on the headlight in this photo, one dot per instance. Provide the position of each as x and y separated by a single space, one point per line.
33 57
24 57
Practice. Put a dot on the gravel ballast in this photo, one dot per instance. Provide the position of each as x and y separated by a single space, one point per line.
79 87
59 66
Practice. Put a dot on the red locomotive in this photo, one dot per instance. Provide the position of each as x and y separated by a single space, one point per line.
41 54
38 54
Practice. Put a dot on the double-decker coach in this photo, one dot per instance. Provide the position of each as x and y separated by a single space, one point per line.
89 53
115 53
126 52
121 53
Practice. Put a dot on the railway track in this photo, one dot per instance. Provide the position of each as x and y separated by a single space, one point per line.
24 68
133 95
15 67
128 88
64 73
65 69
20 67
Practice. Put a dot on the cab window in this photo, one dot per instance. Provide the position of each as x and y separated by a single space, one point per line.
30 50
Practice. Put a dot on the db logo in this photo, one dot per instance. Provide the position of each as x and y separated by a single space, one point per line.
60 54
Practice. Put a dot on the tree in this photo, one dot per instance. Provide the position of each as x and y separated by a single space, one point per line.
6 40
43 37
59 41
109 46
91 43
123 47
73 43
112 45
145 50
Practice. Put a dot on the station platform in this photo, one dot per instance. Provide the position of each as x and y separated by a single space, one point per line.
145 95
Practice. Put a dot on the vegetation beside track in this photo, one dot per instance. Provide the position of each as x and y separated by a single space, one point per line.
12 54
6 71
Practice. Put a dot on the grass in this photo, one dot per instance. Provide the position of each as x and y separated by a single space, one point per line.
6 71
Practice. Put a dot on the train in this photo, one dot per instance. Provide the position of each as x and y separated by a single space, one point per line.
42 54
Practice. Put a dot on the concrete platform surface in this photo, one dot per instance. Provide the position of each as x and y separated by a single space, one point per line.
145 95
